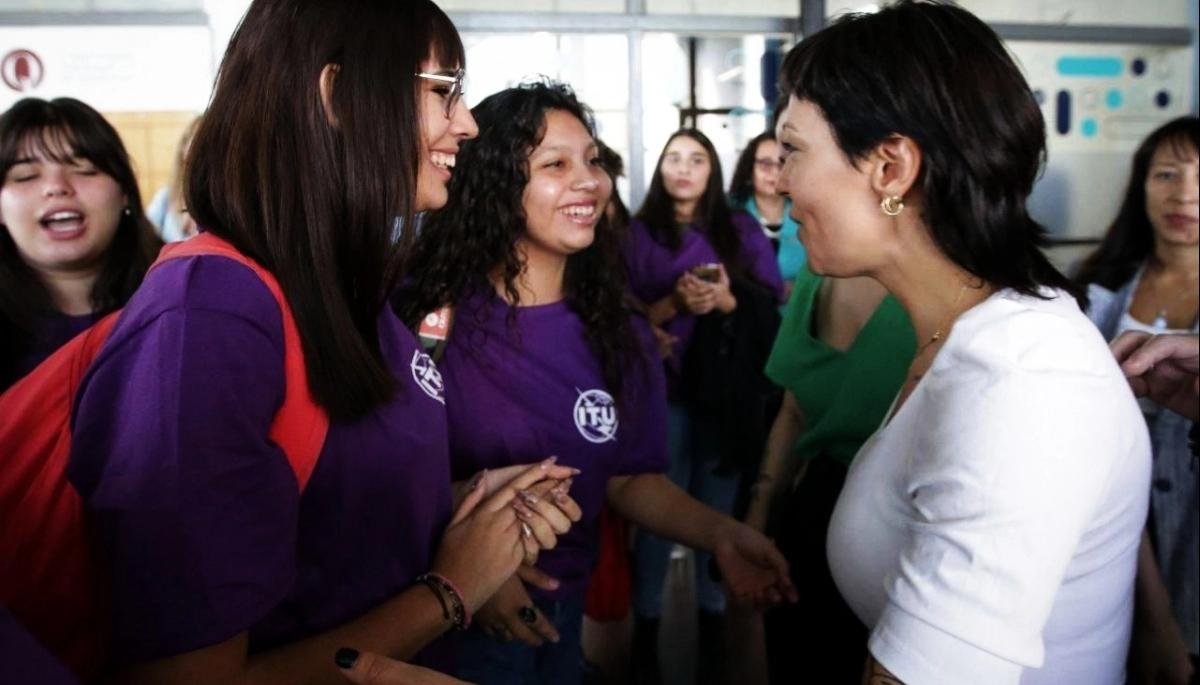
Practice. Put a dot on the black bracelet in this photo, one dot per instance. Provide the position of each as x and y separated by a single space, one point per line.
441 584
437 592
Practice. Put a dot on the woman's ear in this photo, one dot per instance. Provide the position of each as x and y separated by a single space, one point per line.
896 165
328 74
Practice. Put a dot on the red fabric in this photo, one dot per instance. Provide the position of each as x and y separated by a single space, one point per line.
51 576
611 590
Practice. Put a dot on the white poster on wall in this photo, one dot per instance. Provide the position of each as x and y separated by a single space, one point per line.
112 68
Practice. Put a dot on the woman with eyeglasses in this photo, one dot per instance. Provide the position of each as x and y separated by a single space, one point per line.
753 190
222 569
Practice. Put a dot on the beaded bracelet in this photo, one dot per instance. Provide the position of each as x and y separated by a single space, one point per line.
439 584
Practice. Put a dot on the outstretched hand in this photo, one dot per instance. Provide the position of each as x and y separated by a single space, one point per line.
1165 368
753 570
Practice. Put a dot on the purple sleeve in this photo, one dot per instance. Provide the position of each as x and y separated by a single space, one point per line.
196 508
24 660
646 428
757 253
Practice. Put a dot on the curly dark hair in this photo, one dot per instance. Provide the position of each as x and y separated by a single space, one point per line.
476 234
1129 241
713 215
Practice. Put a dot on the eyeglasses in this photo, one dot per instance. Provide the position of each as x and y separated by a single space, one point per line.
768 164
455 92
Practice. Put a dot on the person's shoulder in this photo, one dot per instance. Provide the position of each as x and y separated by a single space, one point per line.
1042 334
207 283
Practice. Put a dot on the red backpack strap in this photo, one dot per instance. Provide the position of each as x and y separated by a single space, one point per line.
300 426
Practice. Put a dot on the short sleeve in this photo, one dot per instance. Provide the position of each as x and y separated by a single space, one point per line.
1003 485
195 507
644 421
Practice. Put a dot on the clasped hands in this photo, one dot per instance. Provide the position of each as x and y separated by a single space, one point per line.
503 518
699 297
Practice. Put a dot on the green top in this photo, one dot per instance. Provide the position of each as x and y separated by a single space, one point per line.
844 395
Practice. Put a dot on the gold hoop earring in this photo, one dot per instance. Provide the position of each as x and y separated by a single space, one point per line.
893 205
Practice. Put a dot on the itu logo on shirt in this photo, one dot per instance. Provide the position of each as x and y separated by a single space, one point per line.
596 416
427 376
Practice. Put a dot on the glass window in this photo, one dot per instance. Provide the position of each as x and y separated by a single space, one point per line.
743 8
607 6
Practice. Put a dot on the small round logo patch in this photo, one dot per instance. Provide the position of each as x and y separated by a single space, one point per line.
427 376
596 416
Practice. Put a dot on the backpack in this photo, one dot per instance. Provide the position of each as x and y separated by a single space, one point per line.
52 577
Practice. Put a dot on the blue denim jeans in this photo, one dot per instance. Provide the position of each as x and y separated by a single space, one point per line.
485 660
694 458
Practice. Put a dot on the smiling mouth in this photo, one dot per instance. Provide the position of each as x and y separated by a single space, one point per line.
442 160
579 211
62 222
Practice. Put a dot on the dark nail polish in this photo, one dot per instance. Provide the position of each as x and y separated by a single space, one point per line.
345 658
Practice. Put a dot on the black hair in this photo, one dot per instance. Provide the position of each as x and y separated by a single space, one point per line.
1129 241
713 216
313 194
940 76
62 130
475 236
741 186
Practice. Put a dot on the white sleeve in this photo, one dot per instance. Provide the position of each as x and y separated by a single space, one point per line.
1015 450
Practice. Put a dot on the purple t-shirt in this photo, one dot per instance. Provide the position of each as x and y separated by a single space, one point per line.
50 332
654 268
516 396
200 512
24 660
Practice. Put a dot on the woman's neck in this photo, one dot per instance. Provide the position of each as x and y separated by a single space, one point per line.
1176 260
770 208
685 212
541 278
933 290
71 291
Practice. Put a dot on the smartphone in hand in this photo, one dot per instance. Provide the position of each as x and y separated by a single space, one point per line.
707 272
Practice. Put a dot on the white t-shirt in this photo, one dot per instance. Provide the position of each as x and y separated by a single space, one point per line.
988 534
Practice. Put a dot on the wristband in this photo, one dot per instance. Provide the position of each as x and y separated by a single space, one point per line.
440 583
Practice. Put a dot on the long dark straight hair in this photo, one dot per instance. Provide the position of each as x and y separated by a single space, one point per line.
914 69
313 195
1129 241
712 216
477 232
64 129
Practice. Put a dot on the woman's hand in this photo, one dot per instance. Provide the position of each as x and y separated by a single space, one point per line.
484 542
368 668
666 341
491 480
506 616
700 297
546 511
753 570
694 295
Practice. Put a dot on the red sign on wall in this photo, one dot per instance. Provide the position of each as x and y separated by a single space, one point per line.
21 70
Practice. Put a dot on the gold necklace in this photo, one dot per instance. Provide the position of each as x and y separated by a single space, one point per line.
1160 319
937 335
